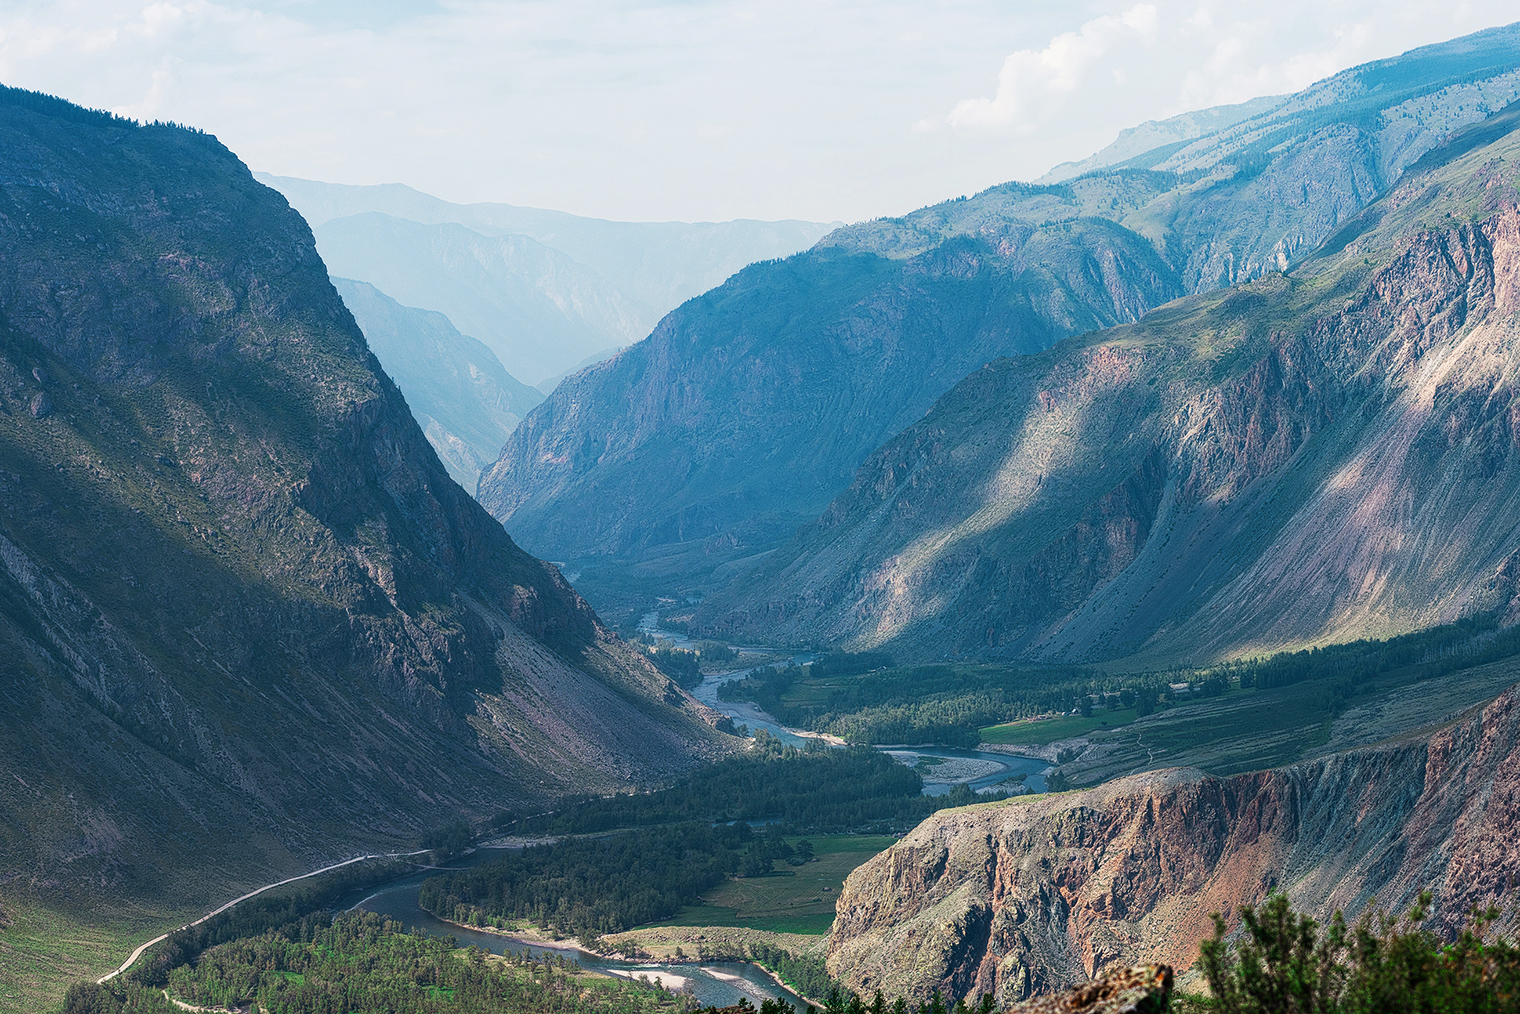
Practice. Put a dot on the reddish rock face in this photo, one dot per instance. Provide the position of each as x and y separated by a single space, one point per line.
1031 895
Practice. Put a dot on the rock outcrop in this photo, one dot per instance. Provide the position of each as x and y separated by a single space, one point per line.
1028 896
1142 989
248 622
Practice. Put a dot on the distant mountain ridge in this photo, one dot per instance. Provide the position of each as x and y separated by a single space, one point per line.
249 622
1412 102
537 310
1147 139
640 269
691 454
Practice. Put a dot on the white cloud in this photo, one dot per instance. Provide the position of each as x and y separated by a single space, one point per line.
1246 61
691 109
1032 84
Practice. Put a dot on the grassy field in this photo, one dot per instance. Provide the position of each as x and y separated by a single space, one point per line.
795 899
1049 730
42 951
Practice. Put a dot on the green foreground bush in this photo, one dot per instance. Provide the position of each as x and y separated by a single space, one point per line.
1286 963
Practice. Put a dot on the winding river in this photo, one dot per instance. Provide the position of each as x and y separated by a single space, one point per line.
943 767
715 983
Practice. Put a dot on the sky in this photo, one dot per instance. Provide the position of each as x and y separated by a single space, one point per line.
692 110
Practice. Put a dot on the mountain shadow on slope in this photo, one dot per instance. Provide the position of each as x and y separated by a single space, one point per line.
1313 457
249 621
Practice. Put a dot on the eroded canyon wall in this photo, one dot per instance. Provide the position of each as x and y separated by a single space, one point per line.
1036 893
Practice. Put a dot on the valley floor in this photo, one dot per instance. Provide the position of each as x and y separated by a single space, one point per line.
44 949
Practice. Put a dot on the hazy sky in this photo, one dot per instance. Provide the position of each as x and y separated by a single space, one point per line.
691 109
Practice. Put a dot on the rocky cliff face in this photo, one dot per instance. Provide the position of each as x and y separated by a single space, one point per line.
1034 894
749 408
248 620
1312 457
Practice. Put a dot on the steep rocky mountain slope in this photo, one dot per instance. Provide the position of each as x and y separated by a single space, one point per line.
1312 457
1034 894
248 621
749 408
651 266
460 394
538 310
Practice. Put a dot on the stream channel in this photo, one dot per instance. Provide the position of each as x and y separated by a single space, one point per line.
714 983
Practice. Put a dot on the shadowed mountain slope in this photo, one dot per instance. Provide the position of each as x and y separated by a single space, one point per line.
248 621
744 410
1313 457
464 400
749 408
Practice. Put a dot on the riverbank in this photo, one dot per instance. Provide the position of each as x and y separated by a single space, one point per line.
716 943
667 946
1049 752
529 935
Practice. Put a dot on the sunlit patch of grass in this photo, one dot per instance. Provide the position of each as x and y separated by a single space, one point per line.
795 899
43 950
1049 730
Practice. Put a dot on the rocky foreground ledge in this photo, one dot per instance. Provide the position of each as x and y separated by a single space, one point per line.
1031 895
1140 989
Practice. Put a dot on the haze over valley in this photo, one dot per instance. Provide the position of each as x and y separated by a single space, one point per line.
414 605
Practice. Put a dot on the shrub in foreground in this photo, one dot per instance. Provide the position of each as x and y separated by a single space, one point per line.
1286 963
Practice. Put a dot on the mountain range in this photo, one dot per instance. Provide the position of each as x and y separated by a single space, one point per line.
691 457
1145 493
1243 381
545 290
250 623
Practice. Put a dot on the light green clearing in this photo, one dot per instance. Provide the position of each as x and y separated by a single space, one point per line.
1050 730
794 899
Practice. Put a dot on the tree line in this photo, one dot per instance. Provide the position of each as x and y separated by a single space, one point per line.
864 699
360 962
854 789
587 887
937 703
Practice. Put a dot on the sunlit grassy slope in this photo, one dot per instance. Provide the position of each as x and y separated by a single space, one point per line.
794 899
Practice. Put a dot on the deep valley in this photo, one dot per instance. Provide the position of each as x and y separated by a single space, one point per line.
934 613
